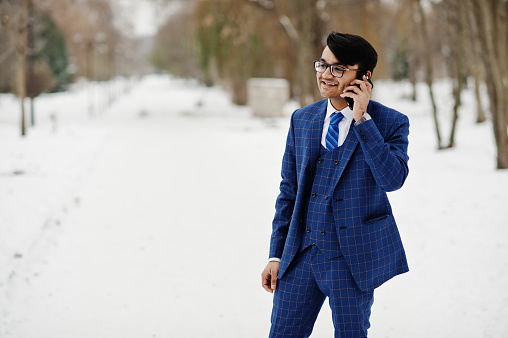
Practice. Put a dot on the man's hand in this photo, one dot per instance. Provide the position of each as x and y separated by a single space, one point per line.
269 276
360 95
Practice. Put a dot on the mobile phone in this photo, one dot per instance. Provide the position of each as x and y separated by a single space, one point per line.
349 100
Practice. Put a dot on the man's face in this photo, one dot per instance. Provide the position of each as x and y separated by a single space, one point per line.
330 86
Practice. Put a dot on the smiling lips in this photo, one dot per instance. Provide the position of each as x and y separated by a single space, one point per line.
329 83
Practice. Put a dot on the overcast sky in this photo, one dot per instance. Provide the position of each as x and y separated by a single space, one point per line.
142 14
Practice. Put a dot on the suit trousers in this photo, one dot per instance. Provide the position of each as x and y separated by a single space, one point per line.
300 293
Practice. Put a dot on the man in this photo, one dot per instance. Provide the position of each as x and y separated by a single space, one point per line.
334 234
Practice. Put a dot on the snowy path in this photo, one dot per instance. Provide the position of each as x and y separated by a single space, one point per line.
151 252
170 232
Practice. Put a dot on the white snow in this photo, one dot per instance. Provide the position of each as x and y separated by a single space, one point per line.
152 218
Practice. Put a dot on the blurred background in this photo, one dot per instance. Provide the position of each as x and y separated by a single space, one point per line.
47 44
137 181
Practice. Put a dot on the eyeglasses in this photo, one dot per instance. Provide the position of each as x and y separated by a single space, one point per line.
336 71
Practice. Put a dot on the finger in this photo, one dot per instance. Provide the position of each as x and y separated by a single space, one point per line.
267 286
273 285
365 83
361 82
368 85
356 82
266 281
351 91
351 88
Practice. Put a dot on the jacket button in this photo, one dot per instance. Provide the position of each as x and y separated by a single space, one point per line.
326 197
336 162
320 160
308 229
323 232
314 194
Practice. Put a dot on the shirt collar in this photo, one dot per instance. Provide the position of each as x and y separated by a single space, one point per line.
347 112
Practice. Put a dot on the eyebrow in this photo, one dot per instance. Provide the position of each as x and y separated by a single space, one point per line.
333 64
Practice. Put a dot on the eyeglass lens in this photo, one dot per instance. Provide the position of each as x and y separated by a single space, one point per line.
321 68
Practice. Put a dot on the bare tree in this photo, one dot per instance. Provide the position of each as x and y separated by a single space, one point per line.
21 57
13 16
476 65
30 58
455 41
428 68
491 21
303 24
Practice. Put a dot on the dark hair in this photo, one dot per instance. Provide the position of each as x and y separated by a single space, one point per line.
352 49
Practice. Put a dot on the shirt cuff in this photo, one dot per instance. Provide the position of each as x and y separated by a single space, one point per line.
274 259
365 117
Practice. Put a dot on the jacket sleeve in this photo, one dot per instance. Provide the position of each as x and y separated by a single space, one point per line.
386 156
286 199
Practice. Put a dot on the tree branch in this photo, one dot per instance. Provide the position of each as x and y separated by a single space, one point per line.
284 20
265 4
289 28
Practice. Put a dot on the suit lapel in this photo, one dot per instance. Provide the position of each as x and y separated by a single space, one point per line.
349 147
316 132
313 142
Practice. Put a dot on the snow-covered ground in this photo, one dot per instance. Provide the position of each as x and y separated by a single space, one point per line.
152 218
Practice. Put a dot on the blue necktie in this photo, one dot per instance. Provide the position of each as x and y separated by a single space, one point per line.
332 136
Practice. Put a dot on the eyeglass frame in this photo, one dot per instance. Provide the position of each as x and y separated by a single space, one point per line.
331 69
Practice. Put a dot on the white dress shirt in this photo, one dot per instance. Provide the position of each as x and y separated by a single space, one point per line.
344 124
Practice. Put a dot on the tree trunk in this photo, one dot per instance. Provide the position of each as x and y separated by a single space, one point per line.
21 56
89 71
456 23
302 24
457 91
428 70
490 19
413 59
480 116
30 59
476 63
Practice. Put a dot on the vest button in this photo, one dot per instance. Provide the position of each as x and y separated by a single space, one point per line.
323 232
336 162
326 197
320 160
314 194
308 229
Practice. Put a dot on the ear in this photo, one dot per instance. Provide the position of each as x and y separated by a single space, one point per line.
369 73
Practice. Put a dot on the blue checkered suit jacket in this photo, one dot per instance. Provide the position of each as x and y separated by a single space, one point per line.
374 162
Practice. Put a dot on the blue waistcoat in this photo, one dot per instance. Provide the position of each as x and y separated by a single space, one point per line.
319 226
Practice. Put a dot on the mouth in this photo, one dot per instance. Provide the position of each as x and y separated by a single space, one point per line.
331 84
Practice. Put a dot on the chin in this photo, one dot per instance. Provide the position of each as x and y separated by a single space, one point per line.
327 94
